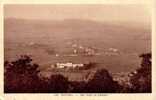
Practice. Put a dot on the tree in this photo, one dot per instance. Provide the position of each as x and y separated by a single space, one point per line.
21 75
141 79
102 82
77 86
58 84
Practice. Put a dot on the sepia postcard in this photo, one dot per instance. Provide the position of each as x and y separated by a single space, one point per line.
92 51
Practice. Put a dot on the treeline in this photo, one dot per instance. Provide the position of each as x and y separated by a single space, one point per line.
22 76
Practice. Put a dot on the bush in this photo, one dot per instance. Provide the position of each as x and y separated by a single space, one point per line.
102 82
58 84
21 75
141 80
77 87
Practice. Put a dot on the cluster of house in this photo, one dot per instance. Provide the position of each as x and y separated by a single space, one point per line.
113 50
67 65
83 50
79 49
73 66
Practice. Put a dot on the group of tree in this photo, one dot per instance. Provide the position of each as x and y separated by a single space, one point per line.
141 79
22 76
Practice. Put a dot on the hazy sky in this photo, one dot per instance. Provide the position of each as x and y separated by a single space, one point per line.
128 13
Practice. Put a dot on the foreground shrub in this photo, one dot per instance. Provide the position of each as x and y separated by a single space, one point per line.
102 82
58 84
21 75
141 79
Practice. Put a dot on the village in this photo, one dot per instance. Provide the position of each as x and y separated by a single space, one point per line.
73 66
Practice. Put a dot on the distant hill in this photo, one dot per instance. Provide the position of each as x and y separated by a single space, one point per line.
72 28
